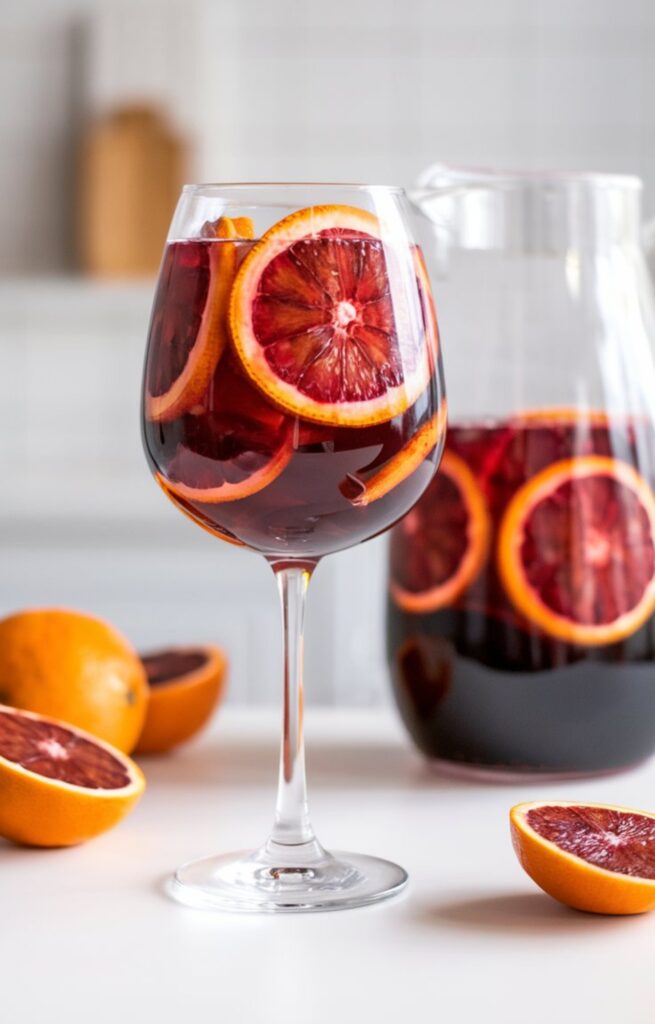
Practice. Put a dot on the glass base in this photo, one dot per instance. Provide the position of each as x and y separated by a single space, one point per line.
469 771
286 879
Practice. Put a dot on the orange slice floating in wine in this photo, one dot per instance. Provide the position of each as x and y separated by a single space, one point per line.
236 447
314 324
441 545
188 351
594 857
576 550
362 492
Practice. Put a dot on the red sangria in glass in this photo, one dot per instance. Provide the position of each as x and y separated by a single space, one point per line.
293 405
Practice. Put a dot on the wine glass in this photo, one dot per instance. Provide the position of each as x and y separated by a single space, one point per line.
294 405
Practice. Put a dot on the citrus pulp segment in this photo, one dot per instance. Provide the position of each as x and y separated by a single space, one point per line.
576 550
594 857
441 545
314 325
59 785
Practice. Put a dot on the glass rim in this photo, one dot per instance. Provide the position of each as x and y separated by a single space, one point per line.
519 177
213 186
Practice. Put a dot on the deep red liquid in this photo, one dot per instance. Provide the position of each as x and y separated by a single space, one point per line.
306 510
478 683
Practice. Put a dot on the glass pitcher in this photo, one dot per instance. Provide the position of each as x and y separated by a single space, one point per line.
521 625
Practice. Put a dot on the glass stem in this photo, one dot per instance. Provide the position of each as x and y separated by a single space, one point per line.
292 825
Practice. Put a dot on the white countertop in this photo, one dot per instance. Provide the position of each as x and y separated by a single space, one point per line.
86 934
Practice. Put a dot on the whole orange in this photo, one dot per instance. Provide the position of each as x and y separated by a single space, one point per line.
76 668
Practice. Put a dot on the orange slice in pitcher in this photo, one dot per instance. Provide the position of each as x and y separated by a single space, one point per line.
576 550
314 324
594 857
438 549
362 492
239 445
187 350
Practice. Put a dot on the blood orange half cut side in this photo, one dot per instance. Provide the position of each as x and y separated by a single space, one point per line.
594 857
440 546
185 686
237 446
576 550
58 784
184 347
314 324
362 492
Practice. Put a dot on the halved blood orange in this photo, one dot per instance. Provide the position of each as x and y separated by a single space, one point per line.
58 784
438 549
185 685
576 550
187 349
314 324
594 857
236 447
362 492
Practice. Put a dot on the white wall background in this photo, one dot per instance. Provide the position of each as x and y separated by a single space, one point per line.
267 89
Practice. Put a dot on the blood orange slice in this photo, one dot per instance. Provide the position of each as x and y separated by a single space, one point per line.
185 686
237 446
362 492
314 324
576 550
594 857
186 349
58 784
440 546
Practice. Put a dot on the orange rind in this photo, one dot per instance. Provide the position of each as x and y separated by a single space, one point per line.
599 858
186 684
60 785
576 550
440 547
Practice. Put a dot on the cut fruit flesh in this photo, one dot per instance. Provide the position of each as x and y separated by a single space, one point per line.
238 446
400 466
576 550
313 322
594 857
453 523
172 664
186 353
186 684
58 784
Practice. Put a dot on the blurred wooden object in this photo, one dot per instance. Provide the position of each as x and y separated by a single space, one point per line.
131 172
